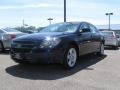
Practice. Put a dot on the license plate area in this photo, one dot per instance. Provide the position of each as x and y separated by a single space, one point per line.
26 56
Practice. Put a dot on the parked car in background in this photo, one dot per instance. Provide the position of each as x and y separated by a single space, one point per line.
58 43
111 39
118 37
6 37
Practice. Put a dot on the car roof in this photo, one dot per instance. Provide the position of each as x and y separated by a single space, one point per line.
76 22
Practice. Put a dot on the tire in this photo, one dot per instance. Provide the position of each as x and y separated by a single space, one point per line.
1 47
101 52
70 57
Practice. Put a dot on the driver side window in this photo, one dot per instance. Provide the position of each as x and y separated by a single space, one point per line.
84 28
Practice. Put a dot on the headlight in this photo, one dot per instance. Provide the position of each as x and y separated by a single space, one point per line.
50 42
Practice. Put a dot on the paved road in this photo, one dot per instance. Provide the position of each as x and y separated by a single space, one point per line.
91 73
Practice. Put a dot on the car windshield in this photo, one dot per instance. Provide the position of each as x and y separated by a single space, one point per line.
61 27
10 30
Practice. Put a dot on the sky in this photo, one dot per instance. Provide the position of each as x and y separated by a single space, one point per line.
36 12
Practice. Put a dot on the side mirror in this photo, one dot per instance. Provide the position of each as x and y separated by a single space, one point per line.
84 30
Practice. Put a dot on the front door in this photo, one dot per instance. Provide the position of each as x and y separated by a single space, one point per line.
84 39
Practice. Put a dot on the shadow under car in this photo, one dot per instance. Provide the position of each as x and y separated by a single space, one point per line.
54 71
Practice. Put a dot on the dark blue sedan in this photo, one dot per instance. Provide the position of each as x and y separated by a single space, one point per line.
58 43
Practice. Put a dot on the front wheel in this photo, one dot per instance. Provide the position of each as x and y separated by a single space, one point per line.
70 58
101 52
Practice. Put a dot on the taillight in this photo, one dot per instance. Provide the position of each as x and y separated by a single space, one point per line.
13 36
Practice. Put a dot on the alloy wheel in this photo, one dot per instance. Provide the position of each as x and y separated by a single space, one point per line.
71 57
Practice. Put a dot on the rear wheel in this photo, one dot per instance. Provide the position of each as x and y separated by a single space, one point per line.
70 58
1 47
101 52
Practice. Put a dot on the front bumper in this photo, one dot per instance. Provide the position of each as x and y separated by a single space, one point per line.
37 55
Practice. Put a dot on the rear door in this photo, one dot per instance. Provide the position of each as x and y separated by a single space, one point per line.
95 38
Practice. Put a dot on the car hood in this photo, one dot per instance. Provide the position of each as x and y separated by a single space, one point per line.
39 36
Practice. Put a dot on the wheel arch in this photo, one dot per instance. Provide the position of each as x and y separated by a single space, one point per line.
73 43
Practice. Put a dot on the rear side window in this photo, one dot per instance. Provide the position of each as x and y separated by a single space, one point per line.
84 28
93 29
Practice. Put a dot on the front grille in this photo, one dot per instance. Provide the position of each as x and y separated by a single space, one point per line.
22 46
21 50
29 46
24 42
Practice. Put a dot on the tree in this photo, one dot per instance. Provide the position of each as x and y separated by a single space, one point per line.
40 28
28 29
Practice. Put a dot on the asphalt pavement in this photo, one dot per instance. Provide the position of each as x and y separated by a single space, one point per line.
91 73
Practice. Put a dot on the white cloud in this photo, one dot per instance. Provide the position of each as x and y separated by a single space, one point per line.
92 12
43 5
77 10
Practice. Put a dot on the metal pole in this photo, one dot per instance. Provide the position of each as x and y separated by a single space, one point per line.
109 14
64 10
50 19
23 22
50 22
109 21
